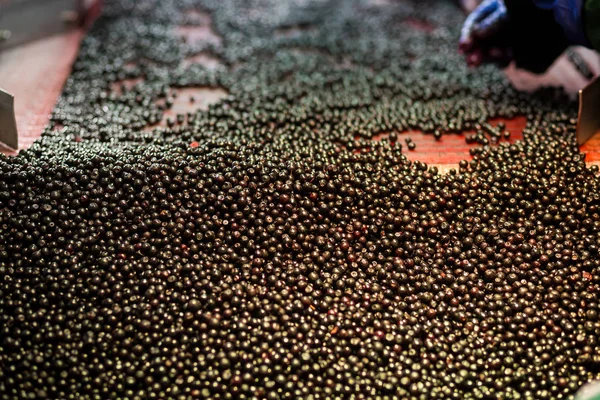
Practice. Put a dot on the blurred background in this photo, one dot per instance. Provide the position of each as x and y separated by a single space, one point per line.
39 40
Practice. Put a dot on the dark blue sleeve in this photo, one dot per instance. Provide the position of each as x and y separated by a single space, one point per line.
569 15
545 4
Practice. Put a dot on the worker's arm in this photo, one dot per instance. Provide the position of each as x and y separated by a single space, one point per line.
535 36
532 32
483 37
569 15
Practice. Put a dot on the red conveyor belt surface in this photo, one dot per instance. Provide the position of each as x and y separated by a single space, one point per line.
35 74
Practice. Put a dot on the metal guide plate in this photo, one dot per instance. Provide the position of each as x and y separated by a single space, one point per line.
8 123
588 121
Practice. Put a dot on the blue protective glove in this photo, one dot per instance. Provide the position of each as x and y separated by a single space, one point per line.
487 18
484 34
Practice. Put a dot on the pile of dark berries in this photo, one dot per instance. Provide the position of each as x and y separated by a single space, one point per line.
268 248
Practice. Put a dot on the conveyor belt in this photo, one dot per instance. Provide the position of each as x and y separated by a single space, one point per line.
36 72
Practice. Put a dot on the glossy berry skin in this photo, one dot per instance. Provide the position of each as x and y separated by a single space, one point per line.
268 246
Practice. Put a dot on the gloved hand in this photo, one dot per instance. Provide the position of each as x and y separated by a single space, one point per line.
485 33
499 31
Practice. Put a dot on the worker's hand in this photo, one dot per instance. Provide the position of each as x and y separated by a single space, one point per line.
501 31
484 34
